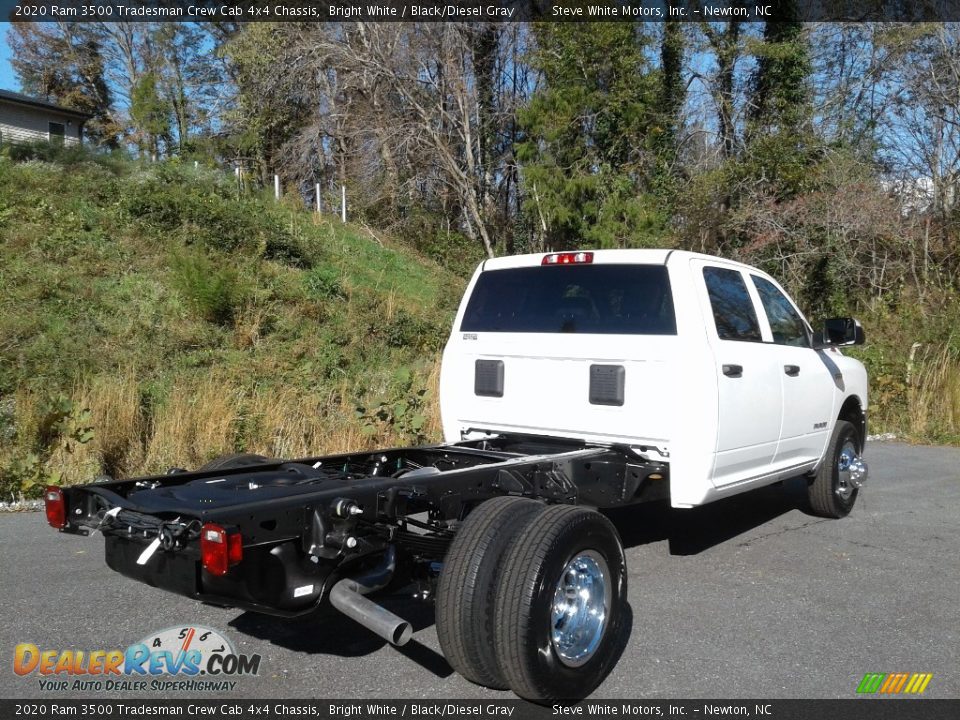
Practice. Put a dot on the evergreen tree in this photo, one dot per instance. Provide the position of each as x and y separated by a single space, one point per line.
781 144
780 92
672 97
150 115
588 158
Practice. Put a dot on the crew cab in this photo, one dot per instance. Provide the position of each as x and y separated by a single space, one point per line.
572 382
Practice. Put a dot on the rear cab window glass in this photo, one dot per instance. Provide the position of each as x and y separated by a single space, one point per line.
599 299
733 312
786 324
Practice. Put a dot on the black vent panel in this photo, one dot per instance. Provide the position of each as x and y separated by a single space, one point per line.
488 378
606 384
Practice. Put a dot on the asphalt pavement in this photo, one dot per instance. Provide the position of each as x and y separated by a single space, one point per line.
749 597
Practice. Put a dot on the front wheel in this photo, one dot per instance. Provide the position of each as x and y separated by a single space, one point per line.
561 605
836 484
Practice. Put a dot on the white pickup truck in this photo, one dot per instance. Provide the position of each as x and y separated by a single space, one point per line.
572 382
699 362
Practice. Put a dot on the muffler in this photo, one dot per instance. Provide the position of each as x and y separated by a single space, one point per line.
347 596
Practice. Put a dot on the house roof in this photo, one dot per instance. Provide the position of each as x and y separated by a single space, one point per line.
42 104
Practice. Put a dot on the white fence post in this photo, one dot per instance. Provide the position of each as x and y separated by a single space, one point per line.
276 186
343 203
318 198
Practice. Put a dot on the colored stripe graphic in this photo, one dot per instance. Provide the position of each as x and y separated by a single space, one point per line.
894 683
889 683
871 682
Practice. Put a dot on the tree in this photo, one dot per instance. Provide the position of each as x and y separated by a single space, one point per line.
780 87
63 62
587 162
151 116
270 107
187 76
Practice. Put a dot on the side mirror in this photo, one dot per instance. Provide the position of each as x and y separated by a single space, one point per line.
838 332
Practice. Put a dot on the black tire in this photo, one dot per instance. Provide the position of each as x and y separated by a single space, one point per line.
465 592
533 568
825 492
234 460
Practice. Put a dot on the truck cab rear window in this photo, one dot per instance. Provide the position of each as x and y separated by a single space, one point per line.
599 299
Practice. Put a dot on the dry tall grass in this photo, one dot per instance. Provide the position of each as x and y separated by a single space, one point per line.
203 417
933 393
119 429
200 419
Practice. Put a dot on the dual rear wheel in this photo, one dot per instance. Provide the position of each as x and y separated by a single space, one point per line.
533 598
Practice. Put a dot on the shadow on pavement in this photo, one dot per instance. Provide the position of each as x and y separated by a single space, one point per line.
327 632
692 531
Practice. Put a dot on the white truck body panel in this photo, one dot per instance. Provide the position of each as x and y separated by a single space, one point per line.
721 434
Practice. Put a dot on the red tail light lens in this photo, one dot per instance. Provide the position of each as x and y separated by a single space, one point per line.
55 506
568 258
219 549
234 548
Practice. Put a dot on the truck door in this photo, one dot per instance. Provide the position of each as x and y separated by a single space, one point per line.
749 388
806 378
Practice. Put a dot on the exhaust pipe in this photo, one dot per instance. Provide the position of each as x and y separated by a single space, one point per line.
347 596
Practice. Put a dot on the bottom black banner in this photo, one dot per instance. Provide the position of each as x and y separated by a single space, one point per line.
853 709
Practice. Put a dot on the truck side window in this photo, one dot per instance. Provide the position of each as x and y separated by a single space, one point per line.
733 311
785 323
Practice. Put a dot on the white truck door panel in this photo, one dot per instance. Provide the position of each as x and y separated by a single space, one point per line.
808 393
749 387
807 380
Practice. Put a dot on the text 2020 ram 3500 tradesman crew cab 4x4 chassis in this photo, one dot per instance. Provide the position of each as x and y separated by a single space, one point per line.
571 382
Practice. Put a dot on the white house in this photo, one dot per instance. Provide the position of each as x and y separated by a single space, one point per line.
26 119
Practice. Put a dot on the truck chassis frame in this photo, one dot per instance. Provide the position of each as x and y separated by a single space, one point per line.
312 521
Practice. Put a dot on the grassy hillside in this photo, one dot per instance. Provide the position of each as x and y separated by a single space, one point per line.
150 317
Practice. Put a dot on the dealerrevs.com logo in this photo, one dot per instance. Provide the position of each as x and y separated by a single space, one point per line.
186 658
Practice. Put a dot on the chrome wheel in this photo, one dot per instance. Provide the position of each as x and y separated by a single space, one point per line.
851 471
581 605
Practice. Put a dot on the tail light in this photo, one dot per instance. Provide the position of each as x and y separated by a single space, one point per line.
219 549
55 506
568 258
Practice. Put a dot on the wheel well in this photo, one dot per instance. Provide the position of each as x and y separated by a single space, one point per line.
852 412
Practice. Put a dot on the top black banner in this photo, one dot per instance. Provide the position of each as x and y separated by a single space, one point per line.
479 10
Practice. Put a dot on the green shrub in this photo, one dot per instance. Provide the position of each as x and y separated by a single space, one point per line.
403 411
323 283
27 472
405 330
202 207
46 151
213 291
